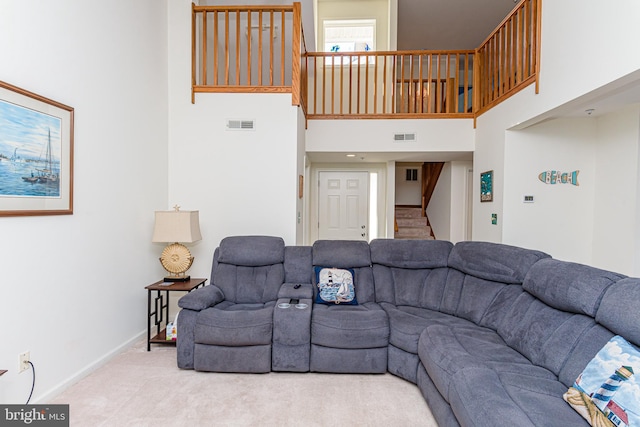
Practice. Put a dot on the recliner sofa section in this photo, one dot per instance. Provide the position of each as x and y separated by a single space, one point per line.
228 325
488 332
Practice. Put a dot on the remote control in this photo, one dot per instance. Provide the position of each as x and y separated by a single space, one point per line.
296 286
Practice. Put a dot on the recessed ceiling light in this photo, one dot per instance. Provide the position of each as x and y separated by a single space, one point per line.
351 155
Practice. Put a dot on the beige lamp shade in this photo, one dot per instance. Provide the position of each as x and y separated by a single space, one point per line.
176 226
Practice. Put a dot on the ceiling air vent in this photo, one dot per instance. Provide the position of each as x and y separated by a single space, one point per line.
405 137
233 124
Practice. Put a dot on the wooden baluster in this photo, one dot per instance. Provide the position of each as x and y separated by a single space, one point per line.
226 47
455 90
237 78
324 83
537 22
465 81
271 25
438 86
366 85
519 47
429 84
333 75
402 106
384 85
282 47
204 48
447 89
375 84
215 48
333 84
358 86
350 81
527 38
193 53
315 84
495 68
249 13
260 48
298 89
420 84
341 83
394 77
413 90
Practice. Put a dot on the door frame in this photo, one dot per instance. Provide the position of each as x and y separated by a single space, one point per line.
314 193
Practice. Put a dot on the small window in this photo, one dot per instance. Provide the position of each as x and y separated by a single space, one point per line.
412 175
354 35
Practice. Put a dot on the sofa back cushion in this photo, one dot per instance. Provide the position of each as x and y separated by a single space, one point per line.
410 272
545 335
548 321
568 286
481 275
347 254
618 310
298 266
249 269
494 262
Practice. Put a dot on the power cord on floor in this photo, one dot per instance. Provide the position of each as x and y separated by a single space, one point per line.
33 384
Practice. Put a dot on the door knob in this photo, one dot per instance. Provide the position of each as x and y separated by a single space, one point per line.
363 234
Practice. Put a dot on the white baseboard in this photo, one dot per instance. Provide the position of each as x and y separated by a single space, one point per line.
58 389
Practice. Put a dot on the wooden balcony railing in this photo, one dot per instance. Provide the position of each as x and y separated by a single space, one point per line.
390 84
262 49
247 49
508 60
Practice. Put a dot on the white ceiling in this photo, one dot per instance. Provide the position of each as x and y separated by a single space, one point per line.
448 24
383 157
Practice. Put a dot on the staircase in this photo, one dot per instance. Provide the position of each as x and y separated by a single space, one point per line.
411 224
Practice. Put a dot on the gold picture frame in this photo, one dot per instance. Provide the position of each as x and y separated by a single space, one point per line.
36 154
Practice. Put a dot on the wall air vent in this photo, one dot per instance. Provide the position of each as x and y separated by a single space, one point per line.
236 124
405 137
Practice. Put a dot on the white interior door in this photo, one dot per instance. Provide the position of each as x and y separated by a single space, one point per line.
343 205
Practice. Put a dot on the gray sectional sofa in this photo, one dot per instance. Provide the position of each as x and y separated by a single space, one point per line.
491 334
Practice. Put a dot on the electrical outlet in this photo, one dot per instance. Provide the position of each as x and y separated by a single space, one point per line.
24 361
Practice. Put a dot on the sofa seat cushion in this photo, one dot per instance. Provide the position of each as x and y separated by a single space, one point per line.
230 324
349 326
480 396
446 349
406 323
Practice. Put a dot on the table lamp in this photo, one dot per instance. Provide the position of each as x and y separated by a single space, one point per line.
173 227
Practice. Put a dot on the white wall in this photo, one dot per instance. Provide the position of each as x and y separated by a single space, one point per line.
433 135
73 286
585 45
594 223
439 209
616 218
408 192
447 210
242 182
560 220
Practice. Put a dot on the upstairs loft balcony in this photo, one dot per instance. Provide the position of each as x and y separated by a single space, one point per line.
262 49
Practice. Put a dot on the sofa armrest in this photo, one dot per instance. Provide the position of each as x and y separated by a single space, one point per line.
287 290
202 298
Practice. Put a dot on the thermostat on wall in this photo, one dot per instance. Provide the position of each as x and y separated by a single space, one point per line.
527 199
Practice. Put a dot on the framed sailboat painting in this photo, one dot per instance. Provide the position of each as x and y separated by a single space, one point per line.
36 154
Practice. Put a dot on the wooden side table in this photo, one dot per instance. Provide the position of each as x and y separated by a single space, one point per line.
160 311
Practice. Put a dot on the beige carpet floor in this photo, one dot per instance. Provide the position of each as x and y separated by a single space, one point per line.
140 388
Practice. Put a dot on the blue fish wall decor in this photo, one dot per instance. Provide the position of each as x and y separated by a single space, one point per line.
557 177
